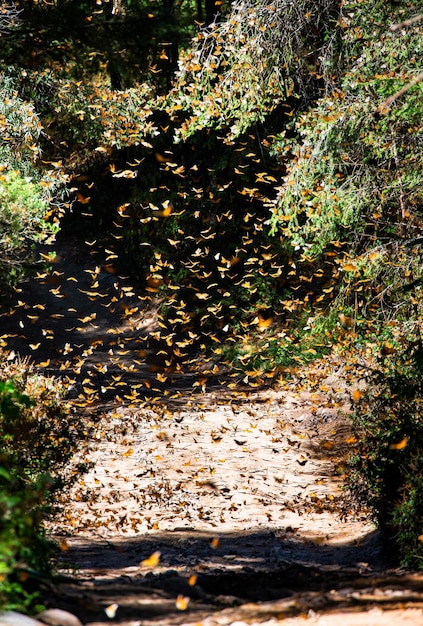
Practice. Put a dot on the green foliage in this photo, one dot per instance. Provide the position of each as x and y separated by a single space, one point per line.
37 439
243 67
338 187
386 468
353 179
22 130
273 353
25 191
135 44
351 169
22 210
20 127
383 287
95 114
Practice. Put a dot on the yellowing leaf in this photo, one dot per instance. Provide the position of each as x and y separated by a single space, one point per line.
129 452
387 348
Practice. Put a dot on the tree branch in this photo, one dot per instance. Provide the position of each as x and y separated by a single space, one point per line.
406 23
384 106
8 16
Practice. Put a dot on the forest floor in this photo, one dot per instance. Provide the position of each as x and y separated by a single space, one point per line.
204 502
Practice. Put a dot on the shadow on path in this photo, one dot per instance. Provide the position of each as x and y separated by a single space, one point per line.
241 568
79 319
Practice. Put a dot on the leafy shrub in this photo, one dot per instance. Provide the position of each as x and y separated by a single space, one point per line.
26 193
352 190
8 17
216 86
20 126
22 211
352 171
386 468
21 91
37 439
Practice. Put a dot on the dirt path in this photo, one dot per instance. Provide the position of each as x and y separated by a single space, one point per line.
237 495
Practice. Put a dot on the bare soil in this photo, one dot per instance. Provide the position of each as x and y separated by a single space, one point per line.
237 493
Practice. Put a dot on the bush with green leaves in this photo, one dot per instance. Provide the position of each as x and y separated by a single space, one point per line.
386 469
352 189
352 163
26 192
382 292
244 66
20 127
22 211
38 436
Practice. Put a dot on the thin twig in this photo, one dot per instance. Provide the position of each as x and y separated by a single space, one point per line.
406 23
384 106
